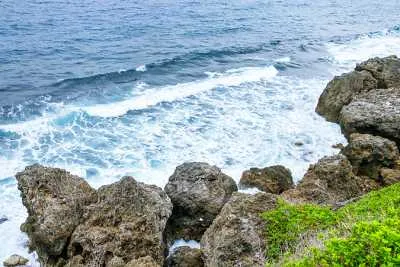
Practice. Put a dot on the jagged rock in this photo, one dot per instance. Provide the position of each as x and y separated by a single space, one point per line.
376 112
146 261
127 222
329 181
198 191
274 179
15 260
386 70
185 257
341 90
55 201
236 237
368 154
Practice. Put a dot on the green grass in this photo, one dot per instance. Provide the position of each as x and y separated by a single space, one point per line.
363 233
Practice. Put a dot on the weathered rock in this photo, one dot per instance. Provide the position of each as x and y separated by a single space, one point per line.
274 179
15 260
376 112
146 261
390 176
386 70
198 191
368 154
55 201
236 237
341 90
185 257
127 222
328 181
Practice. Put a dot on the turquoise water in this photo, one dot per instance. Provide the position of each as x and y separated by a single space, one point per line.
112 88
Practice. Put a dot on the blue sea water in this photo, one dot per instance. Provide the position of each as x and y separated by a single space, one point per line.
112 88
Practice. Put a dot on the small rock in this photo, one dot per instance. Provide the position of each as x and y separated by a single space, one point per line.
368 154
15 260
298 143
185 257
198 191
3 219
390 176
273 179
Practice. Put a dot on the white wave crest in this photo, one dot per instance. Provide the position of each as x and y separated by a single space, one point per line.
171 93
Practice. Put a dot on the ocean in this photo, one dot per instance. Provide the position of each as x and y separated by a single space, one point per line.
112 88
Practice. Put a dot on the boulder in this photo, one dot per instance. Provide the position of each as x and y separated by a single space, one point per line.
274 179
390 176
55 201
15 260
368 154
376 112
341 90
237 235
198 191
185 257
328 181
127 221
385 70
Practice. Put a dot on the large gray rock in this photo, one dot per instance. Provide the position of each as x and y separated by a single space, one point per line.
368 154
376 112
273 179
341 90
128 222
237 235
198 191
386 70
185 257
329 181
375 73
55 201
70 224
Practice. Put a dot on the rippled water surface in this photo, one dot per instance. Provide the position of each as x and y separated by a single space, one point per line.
112 88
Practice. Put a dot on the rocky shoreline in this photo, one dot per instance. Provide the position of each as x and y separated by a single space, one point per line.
129 223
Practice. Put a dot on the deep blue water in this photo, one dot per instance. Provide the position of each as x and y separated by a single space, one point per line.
110 88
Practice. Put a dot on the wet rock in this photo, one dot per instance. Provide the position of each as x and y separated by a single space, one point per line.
328 181
236 237
274 179
368 154
127 222
55 201
3 219
198 191
341 90
185 257
376 112
385 70
15 260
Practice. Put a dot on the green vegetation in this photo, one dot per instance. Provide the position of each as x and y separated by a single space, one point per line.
363 233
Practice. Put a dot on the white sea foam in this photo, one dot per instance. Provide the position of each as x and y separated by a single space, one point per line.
283 60
171 93
141 68
346 56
